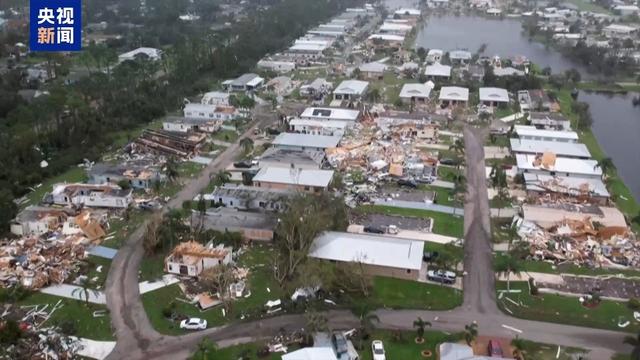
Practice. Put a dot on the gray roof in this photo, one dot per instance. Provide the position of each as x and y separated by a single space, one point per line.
287 157
559 148
303 177
307 140
225 218
460 55
250 192
244 79
355 87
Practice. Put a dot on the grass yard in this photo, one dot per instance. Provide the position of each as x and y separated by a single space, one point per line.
447 173
405 347
586 5
261 282
567 310
443 224
189 169
443 195
77 312
119 228
244 351
101 276
225 135
74 174
406 294
498 226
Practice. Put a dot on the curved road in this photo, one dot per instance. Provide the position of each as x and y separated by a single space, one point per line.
136 338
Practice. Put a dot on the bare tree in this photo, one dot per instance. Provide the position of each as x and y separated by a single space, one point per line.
152 234
219 280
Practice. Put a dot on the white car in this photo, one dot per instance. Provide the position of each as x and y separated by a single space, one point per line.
193 324
377 349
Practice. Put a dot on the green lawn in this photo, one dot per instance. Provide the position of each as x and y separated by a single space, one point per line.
120 228
74 174
405 348
406 294
444 224
96 262
77 312
443 195
244 351
567 310
260 279
226 135
586 5
188 169
534 350
447 173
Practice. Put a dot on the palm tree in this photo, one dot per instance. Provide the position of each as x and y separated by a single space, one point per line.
507 265
246 144
458 191
470 333
85 290
518 348
420 324
206 348
502 199
316 322
605 164
457 146
374 94
635 342
171 169
221 177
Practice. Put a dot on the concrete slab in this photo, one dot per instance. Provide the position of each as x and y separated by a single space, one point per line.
68 291
103 252
147 286
95 349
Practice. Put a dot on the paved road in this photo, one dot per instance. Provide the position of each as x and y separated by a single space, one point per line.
136 338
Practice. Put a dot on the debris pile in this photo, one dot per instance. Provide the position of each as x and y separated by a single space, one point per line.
34 262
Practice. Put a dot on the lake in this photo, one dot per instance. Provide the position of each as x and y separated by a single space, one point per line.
502 37
616 125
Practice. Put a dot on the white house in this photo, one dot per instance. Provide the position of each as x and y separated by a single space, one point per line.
394 29
438 71
561 149
89 195
619 31
210 112
295 141
549 164
350 90
532 133
144 52
453 95
626 10
408 13
318 127
296 179
191 258
277 65
335 114
418 93
434 56
35 220
246 82
307 50
183 125
492 96
461 57
218 98
373 70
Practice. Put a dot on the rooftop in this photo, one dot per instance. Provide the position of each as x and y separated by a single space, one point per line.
353 87
565 185
415 90
288 157
249 192
368 249
438 69
557 147
460 55
551 163
376 67
454 93
227 218
249 79
307 140
547 216
334 124
494 94
387 37
532 131
323 113
297 176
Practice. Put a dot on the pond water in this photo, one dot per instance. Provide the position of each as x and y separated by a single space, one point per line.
616 124
502 37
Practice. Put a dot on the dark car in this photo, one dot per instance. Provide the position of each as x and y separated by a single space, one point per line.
408 183
494 348
339 343
447 161
242 164
442 276
430 256
373 230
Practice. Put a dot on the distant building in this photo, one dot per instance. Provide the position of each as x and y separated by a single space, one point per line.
493 97
532 133
251 198
305 159
246 82
254 226
454 95
306 180
138 174
143 52
210 112
191 258
293 141
108 196
351 90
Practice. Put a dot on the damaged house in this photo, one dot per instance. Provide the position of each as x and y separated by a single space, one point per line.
258 226
37 220
89 195
244 197
139 174
296 179
191 258
170 143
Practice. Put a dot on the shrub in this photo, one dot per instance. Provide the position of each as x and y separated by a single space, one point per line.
634 304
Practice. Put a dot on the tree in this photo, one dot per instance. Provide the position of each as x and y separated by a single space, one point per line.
218 280
498 177
518 346
459 190
420 325
315 322
306 216
8 210
373 95
367 324
635 343
457 147
506 265
85 290
502 199
470 333
605 164
151 238
206 350
10 333
171 169
422 54
221 177
246 144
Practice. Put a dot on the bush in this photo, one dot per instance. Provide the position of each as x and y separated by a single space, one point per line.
533 287
10 333
67 327
634 304
168 310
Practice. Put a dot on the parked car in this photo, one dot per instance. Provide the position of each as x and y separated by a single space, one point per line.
193 324
377 349
430 256
242 165
408 183
373 230
442 276
447 161
339 342
494 348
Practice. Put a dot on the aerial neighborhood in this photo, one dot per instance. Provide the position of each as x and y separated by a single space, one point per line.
335 180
